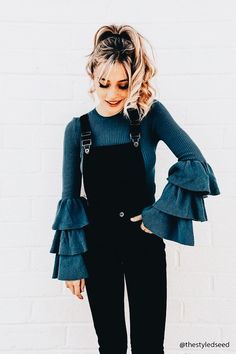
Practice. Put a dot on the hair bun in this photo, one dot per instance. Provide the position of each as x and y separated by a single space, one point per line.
110 34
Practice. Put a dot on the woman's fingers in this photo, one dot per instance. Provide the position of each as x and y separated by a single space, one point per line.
136 218
76 287
144 228
82 285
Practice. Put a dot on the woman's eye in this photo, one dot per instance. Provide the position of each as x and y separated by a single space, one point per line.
102 86
120 87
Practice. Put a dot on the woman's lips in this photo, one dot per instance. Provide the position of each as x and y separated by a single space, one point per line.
113 104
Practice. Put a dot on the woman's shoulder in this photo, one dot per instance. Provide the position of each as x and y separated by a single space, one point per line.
159 113
72 130
157 106
74 124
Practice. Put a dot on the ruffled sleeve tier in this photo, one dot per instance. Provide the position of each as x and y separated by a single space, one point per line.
182 201
69 242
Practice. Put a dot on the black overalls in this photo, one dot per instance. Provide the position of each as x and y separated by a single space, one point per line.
115 187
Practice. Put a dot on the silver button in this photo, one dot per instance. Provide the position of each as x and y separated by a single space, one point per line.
121 214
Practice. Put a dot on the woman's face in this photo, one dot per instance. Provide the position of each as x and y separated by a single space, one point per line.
113 93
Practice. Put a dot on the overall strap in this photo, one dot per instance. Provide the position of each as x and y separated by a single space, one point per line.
86 140
135 135
134 126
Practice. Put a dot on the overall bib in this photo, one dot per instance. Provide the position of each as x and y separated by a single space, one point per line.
118 249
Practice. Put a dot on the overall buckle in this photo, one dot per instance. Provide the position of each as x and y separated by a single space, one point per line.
135 139
86 143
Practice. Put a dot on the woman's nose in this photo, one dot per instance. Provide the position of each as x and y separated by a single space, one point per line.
112 94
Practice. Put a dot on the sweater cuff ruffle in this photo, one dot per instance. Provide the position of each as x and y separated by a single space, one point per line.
69 242
182 201
71 214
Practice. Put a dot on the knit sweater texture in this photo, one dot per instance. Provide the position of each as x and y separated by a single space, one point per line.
190 180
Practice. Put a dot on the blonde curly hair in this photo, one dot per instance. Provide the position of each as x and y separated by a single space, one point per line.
123 44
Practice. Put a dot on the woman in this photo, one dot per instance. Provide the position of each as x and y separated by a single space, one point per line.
116 230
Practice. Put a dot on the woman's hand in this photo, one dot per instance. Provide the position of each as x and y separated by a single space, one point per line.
76 287
144 228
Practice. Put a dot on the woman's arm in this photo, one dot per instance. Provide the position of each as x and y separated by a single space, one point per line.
69 241
175 137
189 181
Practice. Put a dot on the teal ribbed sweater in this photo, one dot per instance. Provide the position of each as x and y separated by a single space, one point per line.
190 180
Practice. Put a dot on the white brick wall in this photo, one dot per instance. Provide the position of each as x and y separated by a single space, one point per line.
43 84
